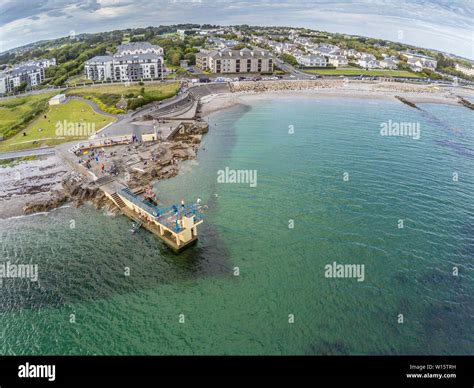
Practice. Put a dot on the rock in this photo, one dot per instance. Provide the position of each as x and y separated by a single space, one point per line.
57 199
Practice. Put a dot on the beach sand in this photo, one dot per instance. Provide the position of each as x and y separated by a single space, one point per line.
383 90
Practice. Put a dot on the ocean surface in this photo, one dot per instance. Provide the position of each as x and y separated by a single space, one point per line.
342 186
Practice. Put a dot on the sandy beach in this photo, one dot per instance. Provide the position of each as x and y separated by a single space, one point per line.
340 89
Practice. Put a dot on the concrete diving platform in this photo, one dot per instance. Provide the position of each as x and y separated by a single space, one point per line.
175 226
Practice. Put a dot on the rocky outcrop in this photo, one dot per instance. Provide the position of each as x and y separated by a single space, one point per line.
135 166
406 102
466 103
281 85
56 200
76 190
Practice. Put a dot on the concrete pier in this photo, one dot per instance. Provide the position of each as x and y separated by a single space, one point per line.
175 226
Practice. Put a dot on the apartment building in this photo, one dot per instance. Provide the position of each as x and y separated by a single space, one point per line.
132 62
312 61
32 75
235 61
45 62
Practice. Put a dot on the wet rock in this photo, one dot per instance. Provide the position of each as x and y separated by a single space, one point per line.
56 200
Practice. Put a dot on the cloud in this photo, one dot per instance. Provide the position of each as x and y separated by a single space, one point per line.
440 24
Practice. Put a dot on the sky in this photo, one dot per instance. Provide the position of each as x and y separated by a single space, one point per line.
445 25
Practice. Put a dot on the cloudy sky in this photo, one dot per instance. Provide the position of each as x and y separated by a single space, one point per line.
440 24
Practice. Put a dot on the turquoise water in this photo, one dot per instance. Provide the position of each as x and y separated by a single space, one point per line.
300 177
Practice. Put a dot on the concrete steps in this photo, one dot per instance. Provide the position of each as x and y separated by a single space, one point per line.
103 180
118 201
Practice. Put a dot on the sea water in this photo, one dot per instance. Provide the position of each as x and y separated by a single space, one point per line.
330 190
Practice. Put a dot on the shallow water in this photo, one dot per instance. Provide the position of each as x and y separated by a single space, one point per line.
82 254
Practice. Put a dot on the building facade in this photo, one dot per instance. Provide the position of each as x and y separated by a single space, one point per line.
312 61
419 62
464 69
235 61
338 61
32 75
132 62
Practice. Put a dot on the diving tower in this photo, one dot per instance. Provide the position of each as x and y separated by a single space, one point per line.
176 225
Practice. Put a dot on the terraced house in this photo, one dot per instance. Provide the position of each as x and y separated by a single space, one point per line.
235 61
132 62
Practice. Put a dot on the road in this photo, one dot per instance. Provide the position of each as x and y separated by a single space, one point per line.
31 152
291 70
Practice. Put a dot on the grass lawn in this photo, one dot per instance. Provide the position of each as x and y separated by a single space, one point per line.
17 112
77 79
109 95
42 131
356 71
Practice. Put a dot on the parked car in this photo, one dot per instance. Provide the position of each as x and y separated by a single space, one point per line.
204 80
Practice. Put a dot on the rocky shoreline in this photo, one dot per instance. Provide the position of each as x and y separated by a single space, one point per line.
48 184
153 162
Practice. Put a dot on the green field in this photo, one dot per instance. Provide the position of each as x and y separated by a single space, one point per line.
77 79
42 131
17 112
356 71
107 96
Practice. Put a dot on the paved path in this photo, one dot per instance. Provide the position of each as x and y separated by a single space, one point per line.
93 105
31 152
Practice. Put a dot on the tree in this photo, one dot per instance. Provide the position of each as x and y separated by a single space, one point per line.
289 59
191 58
175 58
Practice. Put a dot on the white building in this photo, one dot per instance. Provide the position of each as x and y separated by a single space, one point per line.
46 62
419 62
57 99
220 43
30 74
465 70
368 63
338 61
235 61
132 62
415 64
389 62
3 83
312 61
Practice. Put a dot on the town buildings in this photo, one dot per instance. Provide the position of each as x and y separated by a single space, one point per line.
311 60
235 61
132 62
418 62
30 73
465 70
